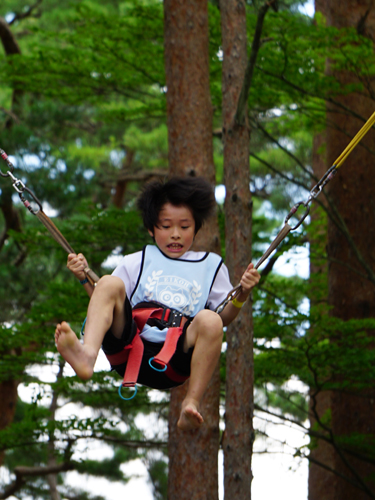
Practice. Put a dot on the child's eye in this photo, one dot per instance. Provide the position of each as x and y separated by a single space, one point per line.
165 227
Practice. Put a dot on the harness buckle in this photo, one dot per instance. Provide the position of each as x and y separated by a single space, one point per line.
174 318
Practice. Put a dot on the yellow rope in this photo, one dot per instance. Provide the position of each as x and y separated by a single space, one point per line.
356 139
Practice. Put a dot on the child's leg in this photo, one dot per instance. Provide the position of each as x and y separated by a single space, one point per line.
105 311
206 334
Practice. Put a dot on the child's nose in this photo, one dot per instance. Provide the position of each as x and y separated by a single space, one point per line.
175 233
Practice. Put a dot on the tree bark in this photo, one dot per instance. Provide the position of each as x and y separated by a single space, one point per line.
121 184
8 388
187 75
11 47
320 402
8 398
11 216
350 295
193 456
238 435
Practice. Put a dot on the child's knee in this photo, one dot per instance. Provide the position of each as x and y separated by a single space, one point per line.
209 323
112 286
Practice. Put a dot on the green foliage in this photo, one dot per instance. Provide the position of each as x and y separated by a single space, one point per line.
89 113
107 468
279 398
158 471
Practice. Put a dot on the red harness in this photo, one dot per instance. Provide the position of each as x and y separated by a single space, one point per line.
132 354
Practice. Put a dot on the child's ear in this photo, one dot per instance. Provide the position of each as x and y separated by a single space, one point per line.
150 233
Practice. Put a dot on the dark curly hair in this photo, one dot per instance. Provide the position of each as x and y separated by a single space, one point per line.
196 193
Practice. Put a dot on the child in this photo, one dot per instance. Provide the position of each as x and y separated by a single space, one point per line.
180 288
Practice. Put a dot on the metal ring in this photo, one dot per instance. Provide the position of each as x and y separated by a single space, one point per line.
127 399
39 203
294 210
161 370
8 162
7 174
27 203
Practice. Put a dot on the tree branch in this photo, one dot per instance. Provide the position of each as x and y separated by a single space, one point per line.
334 215
7 38
22 472
312 94
244 95
140 176
331 439
135 444
279 173
27 13
285 150
310 432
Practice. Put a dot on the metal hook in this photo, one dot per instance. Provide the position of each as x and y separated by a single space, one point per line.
231 295
4 156
294 210
27 203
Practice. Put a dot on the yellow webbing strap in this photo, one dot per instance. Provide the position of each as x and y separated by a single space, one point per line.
313 194
356 139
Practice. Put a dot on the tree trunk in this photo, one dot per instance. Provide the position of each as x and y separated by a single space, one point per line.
189 108
11 47
320 402
350 294
8 388
11 216
121 184
8 398
193 456
238 435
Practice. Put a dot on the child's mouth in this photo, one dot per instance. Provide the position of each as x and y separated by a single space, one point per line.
174 246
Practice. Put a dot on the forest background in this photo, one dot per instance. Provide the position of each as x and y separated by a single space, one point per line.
84 119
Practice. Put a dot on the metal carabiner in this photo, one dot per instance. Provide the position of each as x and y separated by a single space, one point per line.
294 210
16 183
19 186
314 193
4 156
231 295
318 188
26 202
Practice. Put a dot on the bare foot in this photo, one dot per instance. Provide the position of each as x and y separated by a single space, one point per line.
190 418
80 357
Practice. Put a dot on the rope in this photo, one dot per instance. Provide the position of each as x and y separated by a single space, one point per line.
58 236
21 189
55 233
275 243
316 190
353 143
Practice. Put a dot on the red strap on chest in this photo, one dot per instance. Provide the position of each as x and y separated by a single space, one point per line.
170 344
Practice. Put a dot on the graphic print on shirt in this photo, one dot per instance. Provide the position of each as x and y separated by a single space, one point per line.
173 291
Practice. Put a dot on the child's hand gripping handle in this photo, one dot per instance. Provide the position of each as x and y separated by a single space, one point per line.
91 276
78 265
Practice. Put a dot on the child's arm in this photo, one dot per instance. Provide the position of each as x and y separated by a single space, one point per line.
249 280
76 264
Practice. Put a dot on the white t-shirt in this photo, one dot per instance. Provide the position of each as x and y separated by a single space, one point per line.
130 266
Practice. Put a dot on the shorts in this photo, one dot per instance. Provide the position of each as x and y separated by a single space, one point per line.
180 361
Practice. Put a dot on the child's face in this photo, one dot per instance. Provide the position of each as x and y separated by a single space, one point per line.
175 232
